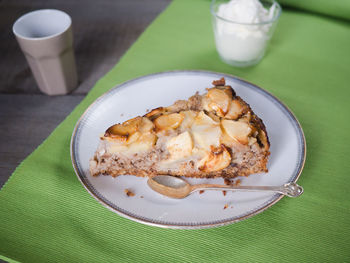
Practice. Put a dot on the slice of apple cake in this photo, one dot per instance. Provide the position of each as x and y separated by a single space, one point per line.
212 135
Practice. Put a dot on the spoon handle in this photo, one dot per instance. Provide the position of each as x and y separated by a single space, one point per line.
290 189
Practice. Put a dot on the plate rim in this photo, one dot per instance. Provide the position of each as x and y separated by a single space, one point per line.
275 198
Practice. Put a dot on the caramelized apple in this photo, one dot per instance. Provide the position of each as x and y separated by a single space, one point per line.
217 159
235 110
167 122
219 101
155 113
124 130
237 130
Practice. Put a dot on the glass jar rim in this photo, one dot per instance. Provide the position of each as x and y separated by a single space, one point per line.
275 17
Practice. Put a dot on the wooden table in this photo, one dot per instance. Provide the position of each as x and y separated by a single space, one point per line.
103 31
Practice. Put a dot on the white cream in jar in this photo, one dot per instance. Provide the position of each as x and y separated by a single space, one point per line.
242 30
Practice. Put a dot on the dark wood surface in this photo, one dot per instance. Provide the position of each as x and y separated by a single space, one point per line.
103 31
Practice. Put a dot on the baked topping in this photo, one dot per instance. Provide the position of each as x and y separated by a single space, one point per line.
237 130
218 101
206 132
124 130
169 121
217 159
180 146
237 108
202 135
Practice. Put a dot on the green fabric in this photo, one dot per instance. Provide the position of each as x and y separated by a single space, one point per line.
336 8
47 215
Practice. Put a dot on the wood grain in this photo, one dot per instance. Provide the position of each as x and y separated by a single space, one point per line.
103 31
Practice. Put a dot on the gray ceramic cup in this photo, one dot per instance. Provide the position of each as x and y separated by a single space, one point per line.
46 39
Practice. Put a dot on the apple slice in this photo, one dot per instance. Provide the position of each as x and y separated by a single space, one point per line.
121 132
217 159
155 113
235 110
133 137
206 132
180 146
146 125
237 130
144 143
168 122
204 119
189 117
219 101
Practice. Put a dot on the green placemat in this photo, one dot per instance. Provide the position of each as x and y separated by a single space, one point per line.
335 8
46 214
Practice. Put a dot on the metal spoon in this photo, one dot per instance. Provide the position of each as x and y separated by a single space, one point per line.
176 187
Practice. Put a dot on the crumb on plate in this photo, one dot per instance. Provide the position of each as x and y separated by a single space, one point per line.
227 181
128 192
232 182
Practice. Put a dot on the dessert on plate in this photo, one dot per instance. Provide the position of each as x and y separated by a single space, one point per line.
211 135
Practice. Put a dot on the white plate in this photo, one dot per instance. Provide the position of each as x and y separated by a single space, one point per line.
134 98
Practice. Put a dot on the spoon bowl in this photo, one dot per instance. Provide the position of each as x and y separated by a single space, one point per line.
176 187
170 186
